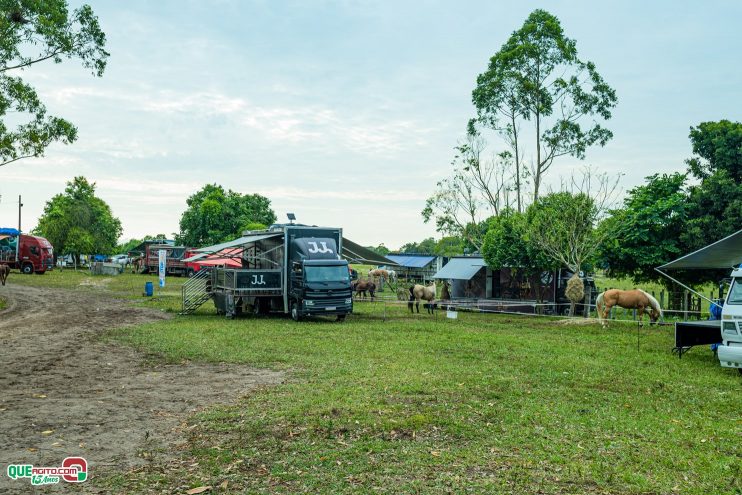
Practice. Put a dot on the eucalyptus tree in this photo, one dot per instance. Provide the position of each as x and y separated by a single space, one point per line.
537 79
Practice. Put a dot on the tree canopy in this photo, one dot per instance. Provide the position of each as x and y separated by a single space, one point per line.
78 222
672 215
646 231
34 32
215 215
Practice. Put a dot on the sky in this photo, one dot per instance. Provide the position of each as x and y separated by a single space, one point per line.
346 113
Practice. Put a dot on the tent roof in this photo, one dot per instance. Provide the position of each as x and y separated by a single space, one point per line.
725 253
411 260
461 268
355 253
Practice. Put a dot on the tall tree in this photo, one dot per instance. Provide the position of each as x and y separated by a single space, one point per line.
715 203
78 222
32 32
537 78
215 215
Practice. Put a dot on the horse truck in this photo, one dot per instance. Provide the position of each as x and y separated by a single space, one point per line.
289 268
27 253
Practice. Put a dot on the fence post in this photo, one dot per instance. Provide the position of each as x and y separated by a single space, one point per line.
588 300
685 304
662 299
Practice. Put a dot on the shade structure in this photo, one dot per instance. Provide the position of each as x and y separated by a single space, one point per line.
355 253
724 253
460 268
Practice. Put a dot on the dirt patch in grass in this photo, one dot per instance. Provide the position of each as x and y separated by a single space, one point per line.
65 392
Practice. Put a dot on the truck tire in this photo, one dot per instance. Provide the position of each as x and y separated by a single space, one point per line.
340 318
190 273
27 269
295 312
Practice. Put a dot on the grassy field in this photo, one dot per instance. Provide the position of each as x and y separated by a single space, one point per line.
420 404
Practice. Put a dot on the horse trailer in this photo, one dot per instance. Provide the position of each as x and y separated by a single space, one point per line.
289 268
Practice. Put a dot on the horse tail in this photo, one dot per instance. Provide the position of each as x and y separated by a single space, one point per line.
599 305
654 303
412 292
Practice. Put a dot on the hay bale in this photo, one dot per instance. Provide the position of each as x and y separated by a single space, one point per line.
575 289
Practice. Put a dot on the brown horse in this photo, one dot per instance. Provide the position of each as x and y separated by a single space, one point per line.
4 272
629 299
361 286
426 293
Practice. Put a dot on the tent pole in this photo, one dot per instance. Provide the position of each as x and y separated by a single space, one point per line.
681 284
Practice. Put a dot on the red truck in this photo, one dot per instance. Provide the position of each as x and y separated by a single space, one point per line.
28 253
147 258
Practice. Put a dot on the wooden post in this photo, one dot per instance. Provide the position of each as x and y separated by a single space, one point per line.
588 299
662 299
685 304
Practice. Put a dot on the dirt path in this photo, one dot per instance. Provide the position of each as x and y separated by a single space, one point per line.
64 393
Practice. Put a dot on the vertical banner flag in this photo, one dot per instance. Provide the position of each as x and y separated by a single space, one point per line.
163 261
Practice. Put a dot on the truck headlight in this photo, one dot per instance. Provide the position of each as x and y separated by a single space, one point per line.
309 302
348 301
729 325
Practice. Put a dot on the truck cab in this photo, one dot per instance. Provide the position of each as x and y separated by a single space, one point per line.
321 287
730 350
319 284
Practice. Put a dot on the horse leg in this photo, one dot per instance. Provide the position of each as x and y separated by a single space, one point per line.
417 305
604 316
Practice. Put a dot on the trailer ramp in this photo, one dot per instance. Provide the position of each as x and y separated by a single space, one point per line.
196 291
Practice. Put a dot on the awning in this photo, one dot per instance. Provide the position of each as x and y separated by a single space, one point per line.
461 268
230 262
242 241
411 260
355 253
726 253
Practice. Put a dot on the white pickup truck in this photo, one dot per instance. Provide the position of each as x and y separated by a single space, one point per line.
730 350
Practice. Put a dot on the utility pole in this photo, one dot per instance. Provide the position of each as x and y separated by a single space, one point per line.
20 205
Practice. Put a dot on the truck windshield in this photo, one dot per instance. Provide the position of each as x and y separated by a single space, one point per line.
336 273
735 292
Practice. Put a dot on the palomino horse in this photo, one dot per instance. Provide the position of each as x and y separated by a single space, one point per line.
629 299
418 292
4 272
361 286
387 275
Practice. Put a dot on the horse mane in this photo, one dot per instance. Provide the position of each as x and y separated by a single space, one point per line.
653 302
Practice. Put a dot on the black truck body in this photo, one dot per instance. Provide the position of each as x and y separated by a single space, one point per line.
292 269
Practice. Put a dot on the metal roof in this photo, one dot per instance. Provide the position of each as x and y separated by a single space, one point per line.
461 268
725 253
411 260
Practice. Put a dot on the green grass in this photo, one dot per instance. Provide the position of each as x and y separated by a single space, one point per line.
420 404
3 303
482 404
126 285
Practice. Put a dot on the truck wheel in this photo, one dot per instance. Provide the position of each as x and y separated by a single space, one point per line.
190 273
27 269
295 312
340 318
